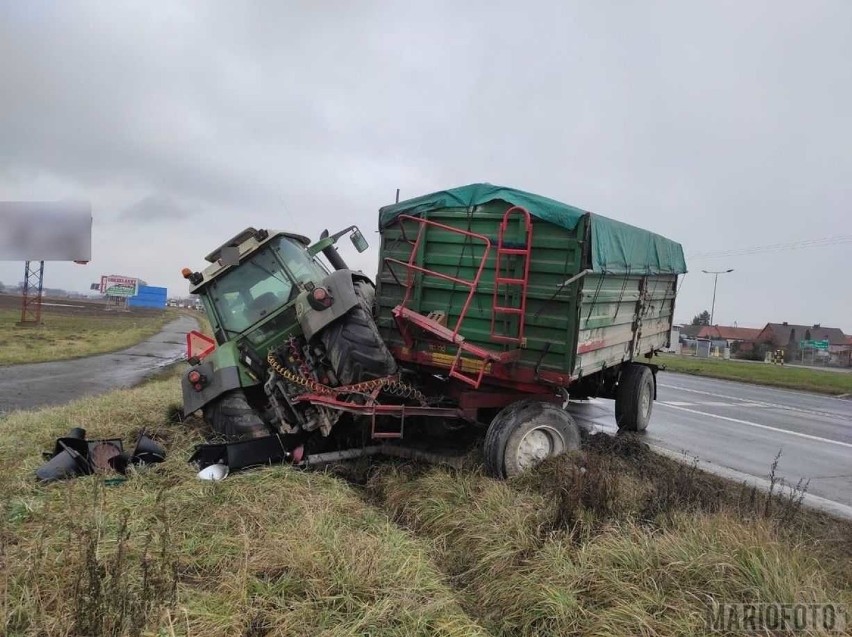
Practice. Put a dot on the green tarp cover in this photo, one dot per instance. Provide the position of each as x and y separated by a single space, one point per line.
617 248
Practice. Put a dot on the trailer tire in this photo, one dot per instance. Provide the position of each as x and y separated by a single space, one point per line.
353 344
232 416
525 433
634 398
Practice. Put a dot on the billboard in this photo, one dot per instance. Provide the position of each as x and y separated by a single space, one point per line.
45 231
149 296
115 285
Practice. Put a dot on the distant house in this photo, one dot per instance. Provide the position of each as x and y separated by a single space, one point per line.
739 339
784 334
788 335
674 340
690 331
844 355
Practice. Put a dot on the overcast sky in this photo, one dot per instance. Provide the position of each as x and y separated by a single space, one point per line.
718 124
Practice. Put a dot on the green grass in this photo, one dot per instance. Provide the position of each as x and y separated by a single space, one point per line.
627 543
66 335
815 380
271 552
613 541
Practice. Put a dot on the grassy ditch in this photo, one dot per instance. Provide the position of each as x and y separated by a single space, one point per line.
616 541
834 383
71 335
613 541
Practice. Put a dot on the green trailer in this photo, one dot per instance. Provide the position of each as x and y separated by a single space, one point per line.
511 296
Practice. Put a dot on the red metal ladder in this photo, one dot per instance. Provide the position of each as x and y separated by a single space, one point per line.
405 316
511 281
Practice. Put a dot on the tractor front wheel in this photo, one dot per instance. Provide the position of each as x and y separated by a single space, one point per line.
524 434
232 416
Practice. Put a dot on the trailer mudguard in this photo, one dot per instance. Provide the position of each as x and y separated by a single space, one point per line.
341 288
221 372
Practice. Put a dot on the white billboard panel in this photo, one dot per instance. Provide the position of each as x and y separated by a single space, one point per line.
115 285
45 231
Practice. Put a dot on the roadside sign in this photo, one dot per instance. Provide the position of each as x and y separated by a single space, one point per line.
114 285
823 344
199 345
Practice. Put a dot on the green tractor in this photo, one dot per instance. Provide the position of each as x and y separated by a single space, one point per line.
283 322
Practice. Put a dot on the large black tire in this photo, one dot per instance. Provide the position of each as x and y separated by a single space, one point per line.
524 434
353 344
231 416
634 398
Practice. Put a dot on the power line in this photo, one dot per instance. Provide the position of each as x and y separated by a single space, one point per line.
774 247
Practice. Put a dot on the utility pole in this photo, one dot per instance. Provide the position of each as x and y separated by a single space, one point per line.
715 280
31 294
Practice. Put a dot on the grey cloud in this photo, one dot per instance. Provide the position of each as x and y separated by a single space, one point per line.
718 124
157 208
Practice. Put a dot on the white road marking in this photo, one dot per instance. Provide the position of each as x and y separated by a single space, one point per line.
752 402
759 426
767 388
709 403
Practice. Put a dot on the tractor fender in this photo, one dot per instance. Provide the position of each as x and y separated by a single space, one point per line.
222 371
341 288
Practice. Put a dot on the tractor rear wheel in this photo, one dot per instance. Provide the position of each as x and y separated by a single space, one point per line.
524 434
232 416
353 344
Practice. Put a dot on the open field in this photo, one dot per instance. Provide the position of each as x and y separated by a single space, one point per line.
761 374
614 541
70 332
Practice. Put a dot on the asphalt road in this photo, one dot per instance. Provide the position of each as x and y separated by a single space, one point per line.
54 383
737 429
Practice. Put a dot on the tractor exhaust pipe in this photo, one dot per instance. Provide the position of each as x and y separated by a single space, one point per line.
333 255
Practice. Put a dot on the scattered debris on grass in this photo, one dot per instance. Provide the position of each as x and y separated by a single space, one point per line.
75 456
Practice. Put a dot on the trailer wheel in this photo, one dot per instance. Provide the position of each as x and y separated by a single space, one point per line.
231 416
525 433
353 344
634 398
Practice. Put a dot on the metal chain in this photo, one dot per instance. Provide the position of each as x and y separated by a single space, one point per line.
390 384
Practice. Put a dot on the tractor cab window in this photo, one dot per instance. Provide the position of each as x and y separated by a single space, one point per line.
300 263
251 291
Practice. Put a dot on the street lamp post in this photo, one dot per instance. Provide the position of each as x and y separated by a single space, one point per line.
715 280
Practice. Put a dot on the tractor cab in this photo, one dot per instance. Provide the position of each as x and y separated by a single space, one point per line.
268 292
261 285
257 275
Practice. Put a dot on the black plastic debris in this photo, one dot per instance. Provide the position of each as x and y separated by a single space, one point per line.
241 454
147 451
68 463
74 456
105 456
74 439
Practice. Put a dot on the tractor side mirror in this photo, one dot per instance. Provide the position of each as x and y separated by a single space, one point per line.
358 240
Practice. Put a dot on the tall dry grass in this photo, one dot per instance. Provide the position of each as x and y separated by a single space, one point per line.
616 541
268 552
